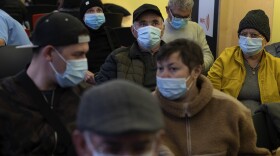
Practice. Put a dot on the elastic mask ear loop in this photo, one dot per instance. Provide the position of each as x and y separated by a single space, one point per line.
189 87
88 141
60 55
171 14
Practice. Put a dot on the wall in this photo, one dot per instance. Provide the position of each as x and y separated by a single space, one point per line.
230 14
131 5
276 22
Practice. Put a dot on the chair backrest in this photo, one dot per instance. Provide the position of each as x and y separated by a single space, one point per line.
273 49
267 125
35 18
125 36
113 20
38 9
48 2
13 60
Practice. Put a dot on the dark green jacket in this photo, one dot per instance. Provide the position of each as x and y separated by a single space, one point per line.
131 64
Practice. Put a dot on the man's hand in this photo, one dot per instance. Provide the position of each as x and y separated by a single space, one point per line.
89 78
2 42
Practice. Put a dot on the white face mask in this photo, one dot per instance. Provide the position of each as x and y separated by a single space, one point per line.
74 73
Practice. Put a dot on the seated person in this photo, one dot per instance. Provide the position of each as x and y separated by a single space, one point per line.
39 104
103 40
247 72
137 63
179 25
200 120
16 9
11 31
110 123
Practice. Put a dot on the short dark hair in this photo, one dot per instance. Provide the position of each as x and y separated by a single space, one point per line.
190 52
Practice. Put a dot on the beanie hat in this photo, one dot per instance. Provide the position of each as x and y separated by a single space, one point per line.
118 107
258 20
87 4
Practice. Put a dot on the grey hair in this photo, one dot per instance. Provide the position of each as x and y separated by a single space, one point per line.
182 4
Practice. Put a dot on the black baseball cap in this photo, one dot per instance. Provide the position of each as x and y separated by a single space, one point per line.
59 29
144 8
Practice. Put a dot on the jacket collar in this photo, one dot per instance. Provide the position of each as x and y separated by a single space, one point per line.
238 56
180 108
135 51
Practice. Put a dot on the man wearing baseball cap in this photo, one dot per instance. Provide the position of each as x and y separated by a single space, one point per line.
137 63
39 104
119 118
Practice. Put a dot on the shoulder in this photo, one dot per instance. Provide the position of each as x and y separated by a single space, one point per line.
194 25
229 103
120 50
230 52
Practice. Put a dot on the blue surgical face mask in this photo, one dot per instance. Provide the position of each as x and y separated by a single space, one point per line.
148 37
74 73
173 88
178 23
94 20
250 46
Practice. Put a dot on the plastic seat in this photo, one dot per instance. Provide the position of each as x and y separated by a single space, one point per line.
35 18
13 60
38 9
125 36
113 20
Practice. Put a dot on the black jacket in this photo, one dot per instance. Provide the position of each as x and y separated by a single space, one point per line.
24 130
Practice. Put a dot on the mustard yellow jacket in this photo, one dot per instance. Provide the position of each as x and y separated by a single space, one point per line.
228 74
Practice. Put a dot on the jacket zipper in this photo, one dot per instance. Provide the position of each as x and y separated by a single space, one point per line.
188 132
55 142
55 133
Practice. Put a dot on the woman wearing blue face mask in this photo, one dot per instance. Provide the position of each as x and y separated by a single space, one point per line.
248 72
103 40
196 115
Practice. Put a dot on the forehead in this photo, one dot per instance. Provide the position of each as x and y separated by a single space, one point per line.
250 30
148 16
80 47
95 8
124 139
172 58
180 10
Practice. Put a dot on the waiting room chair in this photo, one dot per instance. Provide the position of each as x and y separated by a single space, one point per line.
38 9
273 49
35 18
125 36
113 20
13 60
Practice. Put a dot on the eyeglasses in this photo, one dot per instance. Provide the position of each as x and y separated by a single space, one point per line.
184 17
252 35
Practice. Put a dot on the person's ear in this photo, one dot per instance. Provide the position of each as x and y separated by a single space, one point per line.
196 71
80 143
162 30
133 31
47 52
167 9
